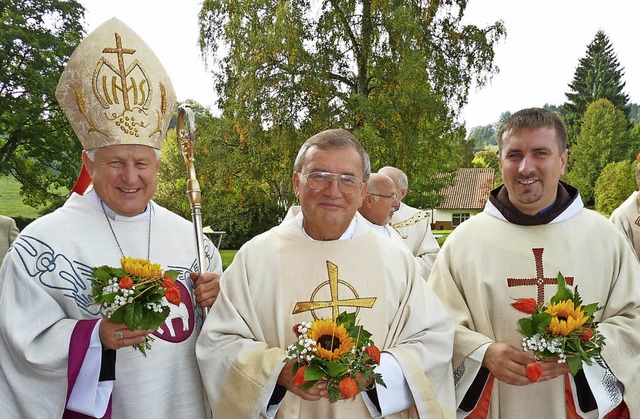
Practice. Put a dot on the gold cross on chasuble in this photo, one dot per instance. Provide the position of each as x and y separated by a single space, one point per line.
540 281
335 303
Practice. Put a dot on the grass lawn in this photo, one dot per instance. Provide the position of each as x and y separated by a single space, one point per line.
11 201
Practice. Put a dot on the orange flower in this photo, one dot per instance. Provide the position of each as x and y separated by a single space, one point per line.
173 295
525 305
298 379
373 352
534 371
348 388
168 283
126 282
586 334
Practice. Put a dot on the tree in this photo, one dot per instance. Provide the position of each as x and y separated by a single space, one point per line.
483 136
489 159
615 184
603 139
598 76
395 73
37 146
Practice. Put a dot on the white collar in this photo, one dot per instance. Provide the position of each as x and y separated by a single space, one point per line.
348 233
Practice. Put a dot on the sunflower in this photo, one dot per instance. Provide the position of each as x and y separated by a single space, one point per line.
332 341
565 317
141 268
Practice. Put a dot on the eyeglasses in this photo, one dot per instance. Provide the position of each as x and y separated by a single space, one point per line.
320 181
392 197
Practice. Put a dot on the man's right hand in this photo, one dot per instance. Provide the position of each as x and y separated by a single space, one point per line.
507 363
314 393
110 334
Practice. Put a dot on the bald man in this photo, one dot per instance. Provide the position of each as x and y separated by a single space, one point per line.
379 204
414 225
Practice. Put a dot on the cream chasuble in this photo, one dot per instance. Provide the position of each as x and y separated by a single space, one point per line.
487 263
414 226
282 278
627 218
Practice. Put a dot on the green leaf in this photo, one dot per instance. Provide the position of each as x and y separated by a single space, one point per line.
109 298
526 327
589 309
132 315
541 322
314 372
172 274
575 364
335 369
563 292
117 317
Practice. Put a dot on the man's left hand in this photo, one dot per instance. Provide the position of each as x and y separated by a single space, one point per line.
207 287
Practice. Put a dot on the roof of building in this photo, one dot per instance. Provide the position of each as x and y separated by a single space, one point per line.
470 189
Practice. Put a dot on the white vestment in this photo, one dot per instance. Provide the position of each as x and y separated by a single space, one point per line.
45 294
487 263
414 226
627 218
242 345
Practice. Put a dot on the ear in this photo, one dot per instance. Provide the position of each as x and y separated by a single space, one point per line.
87 162
563 159
296 183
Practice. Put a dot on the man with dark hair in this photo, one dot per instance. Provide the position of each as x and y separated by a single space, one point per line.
533 227
321 260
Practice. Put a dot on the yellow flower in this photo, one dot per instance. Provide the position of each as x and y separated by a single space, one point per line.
332 341
566 317
141 268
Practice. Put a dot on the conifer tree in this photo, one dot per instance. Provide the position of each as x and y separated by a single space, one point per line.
598 76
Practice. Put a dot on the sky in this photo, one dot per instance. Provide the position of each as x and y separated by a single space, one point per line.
537 59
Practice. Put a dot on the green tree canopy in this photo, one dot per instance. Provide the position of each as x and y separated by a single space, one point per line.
37 145
394 73
598 76
483 136
603 139
489 159
616 182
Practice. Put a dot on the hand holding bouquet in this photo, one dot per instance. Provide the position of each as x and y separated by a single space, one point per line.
336 352
562 329
136 295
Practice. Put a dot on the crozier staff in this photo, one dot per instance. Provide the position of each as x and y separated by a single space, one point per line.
58 355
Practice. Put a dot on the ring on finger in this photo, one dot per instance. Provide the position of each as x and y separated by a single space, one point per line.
119 335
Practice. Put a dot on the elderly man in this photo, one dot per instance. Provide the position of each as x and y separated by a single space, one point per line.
321 260
414 225
379 204
59 355
532 228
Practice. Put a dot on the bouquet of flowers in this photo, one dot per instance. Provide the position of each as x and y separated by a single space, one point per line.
562 329
136 294
335 351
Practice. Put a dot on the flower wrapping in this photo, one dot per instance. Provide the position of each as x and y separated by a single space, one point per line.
137 294
563 328
337 351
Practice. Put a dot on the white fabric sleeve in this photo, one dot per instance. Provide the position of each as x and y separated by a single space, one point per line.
605 387
471 368
396 397
89 395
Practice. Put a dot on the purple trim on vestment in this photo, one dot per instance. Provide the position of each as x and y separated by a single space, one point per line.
80 339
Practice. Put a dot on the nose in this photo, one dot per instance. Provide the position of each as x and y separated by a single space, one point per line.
129 172
333 189
526 165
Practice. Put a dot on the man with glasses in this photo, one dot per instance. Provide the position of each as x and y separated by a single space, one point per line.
414 225
379 204
322 260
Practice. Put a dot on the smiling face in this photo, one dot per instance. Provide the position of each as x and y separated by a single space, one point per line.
125 177
327 213
532 164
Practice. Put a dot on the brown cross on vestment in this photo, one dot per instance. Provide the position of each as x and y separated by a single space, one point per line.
540 281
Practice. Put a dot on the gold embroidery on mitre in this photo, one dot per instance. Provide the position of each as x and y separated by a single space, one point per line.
112 76
335 303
